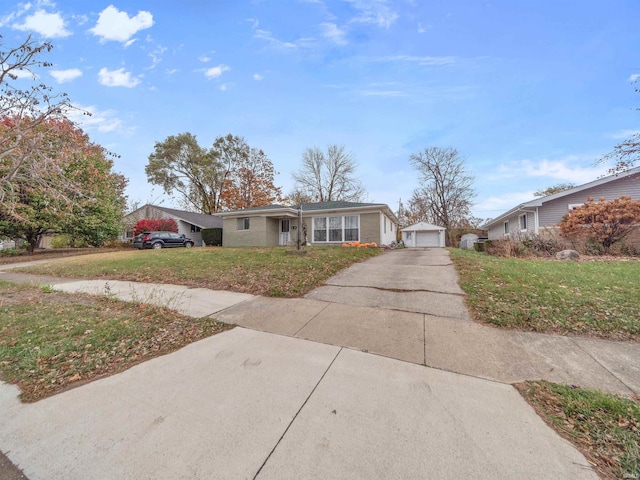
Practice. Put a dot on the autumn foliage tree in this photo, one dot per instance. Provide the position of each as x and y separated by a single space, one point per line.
229 175
27 108
155 225
603 222
251 181
69 186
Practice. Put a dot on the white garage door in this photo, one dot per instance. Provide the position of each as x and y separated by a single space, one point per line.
427 239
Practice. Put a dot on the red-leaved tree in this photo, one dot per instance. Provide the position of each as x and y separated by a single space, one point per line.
155 224
604 222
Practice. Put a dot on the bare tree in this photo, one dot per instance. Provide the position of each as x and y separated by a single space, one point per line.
330 176
626 153
26 106
557 188
445 192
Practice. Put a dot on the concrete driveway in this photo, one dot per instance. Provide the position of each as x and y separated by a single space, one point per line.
297 392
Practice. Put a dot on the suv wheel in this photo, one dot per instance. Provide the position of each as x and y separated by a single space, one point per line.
157 245
188 244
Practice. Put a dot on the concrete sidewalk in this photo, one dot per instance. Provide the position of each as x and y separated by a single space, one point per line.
297 393
247 404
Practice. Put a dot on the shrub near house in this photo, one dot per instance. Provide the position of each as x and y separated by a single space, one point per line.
605 223
155 224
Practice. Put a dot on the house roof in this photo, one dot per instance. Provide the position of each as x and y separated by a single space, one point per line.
540 201
421 227
201 220
276 209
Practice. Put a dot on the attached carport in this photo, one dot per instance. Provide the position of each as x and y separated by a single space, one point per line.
423 234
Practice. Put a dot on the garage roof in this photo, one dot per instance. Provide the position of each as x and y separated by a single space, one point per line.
421 227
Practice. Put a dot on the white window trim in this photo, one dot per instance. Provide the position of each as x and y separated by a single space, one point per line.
243 219
342 221
573 206
505 228
520 217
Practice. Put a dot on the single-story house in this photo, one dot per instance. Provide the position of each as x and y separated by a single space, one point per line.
540 214
189 223
323 223
423 234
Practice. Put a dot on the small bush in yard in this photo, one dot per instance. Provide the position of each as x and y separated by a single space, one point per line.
542 245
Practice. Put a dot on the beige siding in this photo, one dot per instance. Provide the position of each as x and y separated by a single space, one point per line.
370 228
258 234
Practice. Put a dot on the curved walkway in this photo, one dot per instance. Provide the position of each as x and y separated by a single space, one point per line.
298 393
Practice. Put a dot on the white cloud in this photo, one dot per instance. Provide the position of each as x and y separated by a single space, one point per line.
373 12
118 26
422 29
257 76
267 37
101 120
215 72
624 134
568 169
117 78
10 17
496 205
426 60
204 59
383 93
634 77
333 33
156 56
49 25
62 76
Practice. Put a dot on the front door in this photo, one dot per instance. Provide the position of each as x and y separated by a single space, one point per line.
284 232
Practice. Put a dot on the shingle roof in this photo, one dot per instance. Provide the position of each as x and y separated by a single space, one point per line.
201 220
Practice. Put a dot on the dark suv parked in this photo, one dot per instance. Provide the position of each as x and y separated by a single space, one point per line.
161 240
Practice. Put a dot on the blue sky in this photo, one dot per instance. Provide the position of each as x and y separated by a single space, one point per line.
531 93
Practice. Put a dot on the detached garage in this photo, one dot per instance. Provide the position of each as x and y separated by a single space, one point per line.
423 234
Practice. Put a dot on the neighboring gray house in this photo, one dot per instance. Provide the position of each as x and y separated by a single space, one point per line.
189 223
323 223
423 234
546 212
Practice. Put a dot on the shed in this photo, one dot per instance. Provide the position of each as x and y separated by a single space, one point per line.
423 234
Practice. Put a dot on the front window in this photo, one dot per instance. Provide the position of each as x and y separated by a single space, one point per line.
336 229
243 223
506 228
319 229
351 229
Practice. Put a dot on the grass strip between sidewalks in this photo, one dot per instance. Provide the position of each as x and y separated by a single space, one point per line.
598 299
51 340
604 427
259 271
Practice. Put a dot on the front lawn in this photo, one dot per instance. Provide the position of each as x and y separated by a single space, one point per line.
600 299
260 271
51 340
604 427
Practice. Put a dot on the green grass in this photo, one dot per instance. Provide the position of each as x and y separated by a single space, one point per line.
50 340
261 271
580 298
606 428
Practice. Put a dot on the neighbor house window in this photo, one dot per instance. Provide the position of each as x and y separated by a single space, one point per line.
243 223
195 229
573 206
336 229
506 227
523 221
